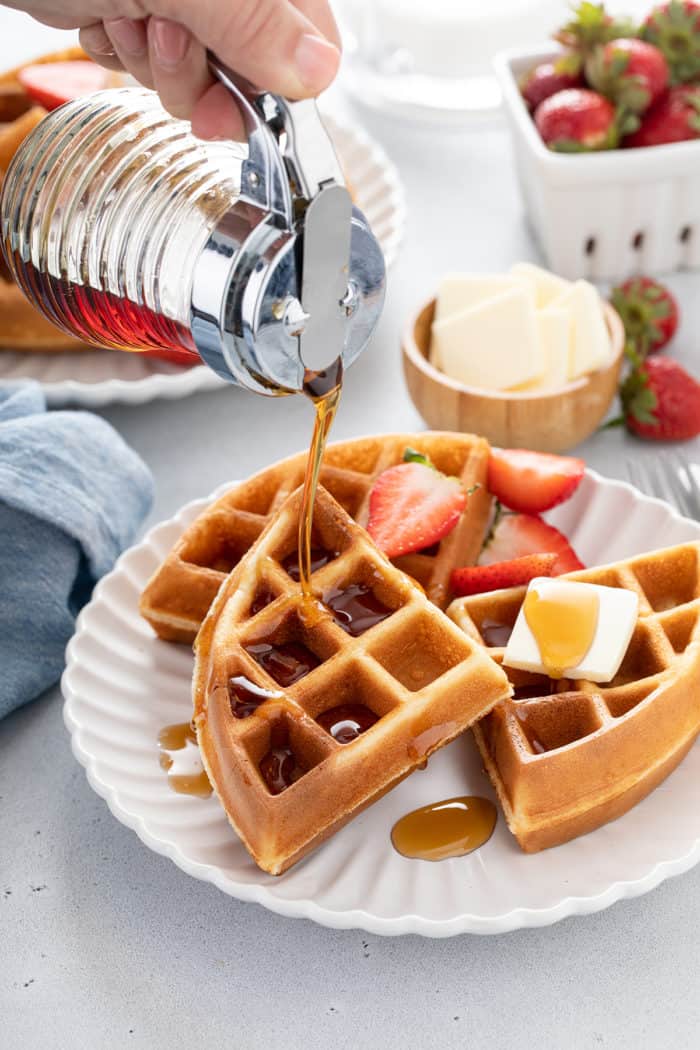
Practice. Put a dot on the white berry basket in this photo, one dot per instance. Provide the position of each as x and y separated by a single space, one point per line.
604 215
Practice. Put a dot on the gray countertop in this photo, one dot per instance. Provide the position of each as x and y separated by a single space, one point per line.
105 944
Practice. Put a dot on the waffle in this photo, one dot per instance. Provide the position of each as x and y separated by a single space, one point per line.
565 764
177 598
286 782
22 327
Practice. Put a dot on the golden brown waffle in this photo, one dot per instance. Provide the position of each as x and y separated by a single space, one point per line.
566 763
21 326
178 596
415 675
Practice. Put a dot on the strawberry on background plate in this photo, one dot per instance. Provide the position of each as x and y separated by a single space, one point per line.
577 121
674 118
675 29
532 481
52 84
547 78
661 401
477 579
413 505
517 535
648 311
631 73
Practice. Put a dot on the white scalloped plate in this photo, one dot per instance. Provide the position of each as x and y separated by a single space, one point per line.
99 377
122 686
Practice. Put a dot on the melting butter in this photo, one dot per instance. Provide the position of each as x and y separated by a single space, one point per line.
563 621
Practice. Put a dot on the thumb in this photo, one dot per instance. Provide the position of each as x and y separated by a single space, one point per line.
269 42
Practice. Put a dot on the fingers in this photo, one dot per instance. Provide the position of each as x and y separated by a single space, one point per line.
269 42
95 42
178 66
130 41
216 116
319 12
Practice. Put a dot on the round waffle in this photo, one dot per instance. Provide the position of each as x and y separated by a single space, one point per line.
305 714
564 763
178 596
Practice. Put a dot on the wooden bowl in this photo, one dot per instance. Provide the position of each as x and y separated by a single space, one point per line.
551 421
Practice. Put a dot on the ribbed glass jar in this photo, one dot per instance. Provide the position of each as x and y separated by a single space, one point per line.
106 210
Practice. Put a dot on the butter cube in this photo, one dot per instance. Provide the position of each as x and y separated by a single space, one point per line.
493 345
554 331
458 291
589 345
617 617
546 286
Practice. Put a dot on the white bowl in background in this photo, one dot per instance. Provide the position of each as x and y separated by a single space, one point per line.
603 215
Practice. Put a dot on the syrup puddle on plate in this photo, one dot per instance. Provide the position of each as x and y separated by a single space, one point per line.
181 760
451 828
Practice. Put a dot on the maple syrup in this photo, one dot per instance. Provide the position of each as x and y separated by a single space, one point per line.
279 767
323 388
495 634
263 597
286 662
318 558
563 622
347 721
245 697
104 319
185 772
451 828
356 608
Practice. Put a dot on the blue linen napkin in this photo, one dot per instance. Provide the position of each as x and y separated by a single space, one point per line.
72 495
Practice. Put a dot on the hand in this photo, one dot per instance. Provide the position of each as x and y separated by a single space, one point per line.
289 47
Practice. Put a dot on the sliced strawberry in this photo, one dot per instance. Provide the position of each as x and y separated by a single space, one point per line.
516 535
412 506
476 579
53 83
532 482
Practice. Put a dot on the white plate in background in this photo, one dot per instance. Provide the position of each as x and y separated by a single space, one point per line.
92 378
122 685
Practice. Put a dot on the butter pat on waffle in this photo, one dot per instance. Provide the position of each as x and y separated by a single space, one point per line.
177 598
307 712
567 756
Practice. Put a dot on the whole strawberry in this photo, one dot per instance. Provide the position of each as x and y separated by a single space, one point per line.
577 121
546 79
675 29
649 313
661 401
590 27
632 73
674 118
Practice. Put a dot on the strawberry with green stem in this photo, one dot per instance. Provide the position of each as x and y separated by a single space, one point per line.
648 311
660 400
674 118
631 73
590 27
413 505
674 28
581 121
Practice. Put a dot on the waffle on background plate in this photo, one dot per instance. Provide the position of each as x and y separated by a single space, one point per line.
177 598
567 763
377 650
21 326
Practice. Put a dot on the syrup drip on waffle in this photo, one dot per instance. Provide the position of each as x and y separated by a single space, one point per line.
323 388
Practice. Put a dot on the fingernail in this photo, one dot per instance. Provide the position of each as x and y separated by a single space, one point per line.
316 61
128 35
170 41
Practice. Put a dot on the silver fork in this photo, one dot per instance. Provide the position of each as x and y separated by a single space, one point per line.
669 476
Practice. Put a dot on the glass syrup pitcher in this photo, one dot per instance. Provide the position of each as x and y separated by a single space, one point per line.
128 232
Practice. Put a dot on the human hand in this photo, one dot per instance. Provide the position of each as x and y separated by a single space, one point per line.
289 47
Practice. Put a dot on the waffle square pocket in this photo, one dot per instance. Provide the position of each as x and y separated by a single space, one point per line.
567 756
308 712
